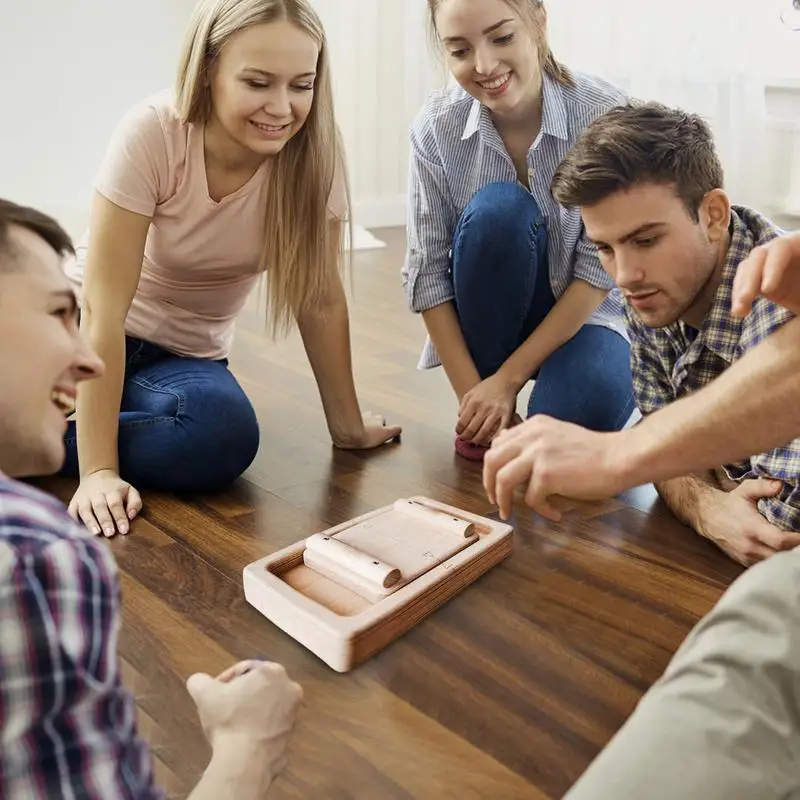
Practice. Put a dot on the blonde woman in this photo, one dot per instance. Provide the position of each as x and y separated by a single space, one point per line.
507 284
240 173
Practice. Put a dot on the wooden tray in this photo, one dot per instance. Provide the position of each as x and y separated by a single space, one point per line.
350 591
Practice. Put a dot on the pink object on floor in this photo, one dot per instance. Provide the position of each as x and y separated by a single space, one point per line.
472 452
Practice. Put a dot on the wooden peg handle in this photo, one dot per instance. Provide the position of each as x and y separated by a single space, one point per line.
458 527
354 561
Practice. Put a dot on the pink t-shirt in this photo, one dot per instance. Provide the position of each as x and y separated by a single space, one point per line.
201 259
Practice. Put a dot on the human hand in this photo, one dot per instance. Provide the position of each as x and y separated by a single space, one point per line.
771 270
486 409
553 461
733 522
252 705
374 433
105 503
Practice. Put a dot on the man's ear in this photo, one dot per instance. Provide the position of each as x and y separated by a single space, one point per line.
715 214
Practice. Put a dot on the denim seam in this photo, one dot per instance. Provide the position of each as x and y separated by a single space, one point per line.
135 353
134 423
145 384
529 288
630 407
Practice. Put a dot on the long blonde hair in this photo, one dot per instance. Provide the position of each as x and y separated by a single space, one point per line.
299 250
534 14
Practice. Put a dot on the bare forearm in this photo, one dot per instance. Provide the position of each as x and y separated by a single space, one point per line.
234 772
98 404
326 337
751 408
113 268
445 332
565 319
687 495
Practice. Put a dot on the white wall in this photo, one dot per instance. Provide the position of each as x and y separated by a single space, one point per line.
783 145
70 68
731 60
780 59
382 72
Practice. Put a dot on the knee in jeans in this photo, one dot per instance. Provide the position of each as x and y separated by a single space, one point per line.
503 209
241 446
226 439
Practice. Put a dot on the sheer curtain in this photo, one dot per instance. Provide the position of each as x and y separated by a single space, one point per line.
706 56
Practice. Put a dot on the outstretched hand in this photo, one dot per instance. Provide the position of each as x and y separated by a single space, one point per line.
105 503
772 271
253 705
375 432
554 462
486 409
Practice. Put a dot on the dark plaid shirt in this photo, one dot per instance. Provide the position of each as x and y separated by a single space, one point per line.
68 725
674 361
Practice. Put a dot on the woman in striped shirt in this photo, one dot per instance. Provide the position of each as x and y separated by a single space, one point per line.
508 285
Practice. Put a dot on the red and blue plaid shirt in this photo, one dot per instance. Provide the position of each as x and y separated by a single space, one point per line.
68 725
674 361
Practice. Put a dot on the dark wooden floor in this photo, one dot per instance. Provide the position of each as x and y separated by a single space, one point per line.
506 692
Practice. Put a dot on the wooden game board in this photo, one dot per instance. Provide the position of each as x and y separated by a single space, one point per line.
348 592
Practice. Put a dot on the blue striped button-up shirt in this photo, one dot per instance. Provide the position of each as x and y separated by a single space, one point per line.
456 151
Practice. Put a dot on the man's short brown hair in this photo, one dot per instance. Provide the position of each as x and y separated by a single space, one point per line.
35 221
637 144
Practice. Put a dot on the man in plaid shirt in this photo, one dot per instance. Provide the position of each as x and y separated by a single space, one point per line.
649 184
67 724
723 721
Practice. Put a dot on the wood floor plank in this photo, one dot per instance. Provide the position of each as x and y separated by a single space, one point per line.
507 691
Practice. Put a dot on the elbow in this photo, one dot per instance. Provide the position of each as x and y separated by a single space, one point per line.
100 325
325 309
597 286
88 316
105 306
425 291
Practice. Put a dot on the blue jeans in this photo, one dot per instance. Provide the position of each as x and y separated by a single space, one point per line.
502 294
185 424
